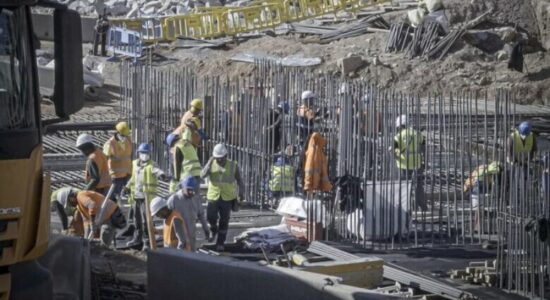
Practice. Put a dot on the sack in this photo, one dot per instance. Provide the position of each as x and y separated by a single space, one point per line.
118 220
416 16
433 5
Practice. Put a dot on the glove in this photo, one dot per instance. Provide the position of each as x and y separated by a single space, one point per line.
203 134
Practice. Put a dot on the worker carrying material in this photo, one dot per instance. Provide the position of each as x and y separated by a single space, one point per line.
408 149
175 233
521 145
59 205
190 119
185 159
96 175
92 218
118 150
222 192
188 204
316 165
142 185
282 180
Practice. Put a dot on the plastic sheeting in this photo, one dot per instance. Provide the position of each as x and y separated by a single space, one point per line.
297 207
270 238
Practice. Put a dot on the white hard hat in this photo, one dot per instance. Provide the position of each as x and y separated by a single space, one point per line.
84 139
343 88
157 204
219 151
63 196
401 121
307 95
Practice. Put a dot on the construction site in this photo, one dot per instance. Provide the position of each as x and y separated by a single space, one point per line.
278 149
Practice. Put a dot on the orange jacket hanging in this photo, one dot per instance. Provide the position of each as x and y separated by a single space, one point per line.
316 165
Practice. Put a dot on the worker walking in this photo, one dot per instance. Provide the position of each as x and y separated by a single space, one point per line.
185 160
97 176
93 217
408 149
222 192
282 180
175 233
143 185
59 205
522 145
188 204
118 150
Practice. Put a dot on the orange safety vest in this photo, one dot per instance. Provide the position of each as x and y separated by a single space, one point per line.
169 234
316 165
120 158
89 203
101 162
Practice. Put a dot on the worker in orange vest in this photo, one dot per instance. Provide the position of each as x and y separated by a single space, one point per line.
96 175
93 219
175 231
118 150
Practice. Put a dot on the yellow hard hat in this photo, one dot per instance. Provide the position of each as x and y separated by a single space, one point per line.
195 120
197 104
123 128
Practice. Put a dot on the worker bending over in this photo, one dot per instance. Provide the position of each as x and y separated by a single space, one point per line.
188 204
175 233
59 204
118 150
222 192
522 145
142 185
97 176
408 149
94 219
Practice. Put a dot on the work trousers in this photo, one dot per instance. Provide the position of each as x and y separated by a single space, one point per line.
417 190
140 221
219 210
118 185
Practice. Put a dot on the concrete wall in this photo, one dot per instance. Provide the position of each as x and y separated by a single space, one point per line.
173 274
43 27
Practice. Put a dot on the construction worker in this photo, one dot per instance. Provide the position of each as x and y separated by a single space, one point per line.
118 150
194 111
185 158
483 180
222 192
273 132
93 218
522 145
175 233
59 204
171 141
97 176
282 179
188 204
306 117
193 128
408 148
142 185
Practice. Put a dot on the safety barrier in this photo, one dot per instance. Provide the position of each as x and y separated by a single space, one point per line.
213 22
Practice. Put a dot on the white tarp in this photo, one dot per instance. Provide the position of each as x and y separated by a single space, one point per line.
297 207
390 203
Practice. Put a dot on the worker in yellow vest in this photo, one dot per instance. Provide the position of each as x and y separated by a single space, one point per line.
185 160
408 149
118 150
96 174
282 181
143 185
225 178
522 145
58 204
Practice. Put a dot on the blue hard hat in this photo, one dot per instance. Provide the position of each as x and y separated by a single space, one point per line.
281 161
144 148
524 128
189 183
171 139
285 106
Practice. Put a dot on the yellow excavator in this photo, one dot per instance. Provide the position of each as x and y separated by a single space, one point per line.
24 188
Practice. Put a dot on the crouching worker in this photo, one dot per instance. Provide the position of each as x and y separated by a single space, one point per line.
92 218
189 205
59 205
175 232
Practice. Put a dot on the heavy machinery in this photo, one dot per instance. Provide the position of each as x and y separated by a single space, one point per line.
24 188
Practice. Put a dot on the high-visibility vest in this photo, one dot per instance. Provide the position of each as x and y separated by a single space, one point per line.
169 234
522 148
408 149
120 157
482 174
88 204
149 181
101 162
190 166
222 182
282 179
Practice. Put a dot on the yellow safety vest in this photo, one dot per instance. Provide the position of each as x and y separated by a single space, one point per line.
282 179
120 157
408 146
190 166
222 182
150 182
522 148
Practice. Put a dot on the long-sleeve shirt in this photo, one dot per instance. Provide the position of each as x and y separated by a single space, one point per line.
206 172
190 209
140 170
92 169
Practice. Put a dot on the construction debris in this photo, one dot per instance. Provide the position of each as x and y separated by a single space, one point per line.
268 238
481 273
